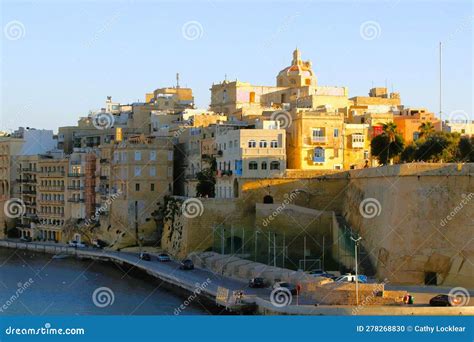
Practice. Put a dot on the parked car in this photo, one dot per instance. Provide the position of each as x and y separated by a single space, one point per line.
186 264
25 239
163 257
257 282
76 244
445 300
145 256
321 273
351 278
285 285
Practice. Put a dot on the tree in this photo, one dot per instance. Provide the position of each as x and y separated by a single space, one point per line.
426 128
387 145
207 179
466 149
438 147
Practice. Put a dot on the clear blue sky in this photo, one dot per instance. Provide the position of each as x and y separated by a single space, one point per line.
71 55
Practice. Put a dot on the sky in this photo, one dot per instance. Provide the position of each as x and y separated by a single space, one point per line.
60 59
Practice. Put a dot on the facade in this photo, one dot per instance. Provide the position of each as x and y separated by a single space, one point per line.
27 180
296 86
315 140
464 128
249 153
409 120
141 174
356 142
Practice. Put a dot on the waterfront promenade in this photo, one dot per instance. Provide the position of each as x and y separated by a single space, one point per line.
257 300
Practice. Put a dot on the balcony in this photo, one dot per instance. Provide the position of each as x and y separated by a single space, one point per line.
28 192
75 174
52 174
318 140
50 215
51 188
104 160
57 202
75 187
76 200
358 141
263 151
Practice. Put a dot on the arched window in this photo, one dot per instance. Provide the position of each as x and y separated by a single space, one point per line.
274 144
264 165
253 165
274 165
252 144
263 143
318 155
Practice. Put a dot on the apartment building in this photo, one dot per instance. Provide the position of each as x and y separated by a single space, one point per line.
249 153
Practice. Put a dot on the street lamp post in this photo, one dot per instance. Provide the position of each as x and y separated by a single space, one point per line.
356 244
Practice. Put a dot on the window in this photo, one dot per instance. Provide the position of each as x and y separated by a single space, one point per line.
230 144
366 154
274 144
318 155
170 155
152 171
138 155
252 144
263 143
253 165
318 135
336 132
264 165
252 97
416 135
152 155
274 165
152 186
137 186
170 172
138 171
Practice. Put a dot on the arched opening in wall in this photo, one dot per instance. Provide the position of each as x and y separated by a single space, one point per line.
431 278
236 188
268 199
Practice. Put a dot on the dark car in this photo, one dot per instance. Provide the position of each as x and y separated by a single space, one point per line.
257 282
445 300
145 256
186 264
287 286
163 257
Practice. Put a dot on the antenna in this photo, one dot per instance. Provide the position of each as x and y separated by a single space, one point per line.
177 80
440 86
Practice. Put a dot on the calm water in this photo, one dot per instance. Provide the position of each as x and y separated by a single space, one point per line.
66 287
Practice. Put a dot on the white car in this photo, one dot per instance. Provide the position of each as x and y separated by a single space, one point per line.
76 244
